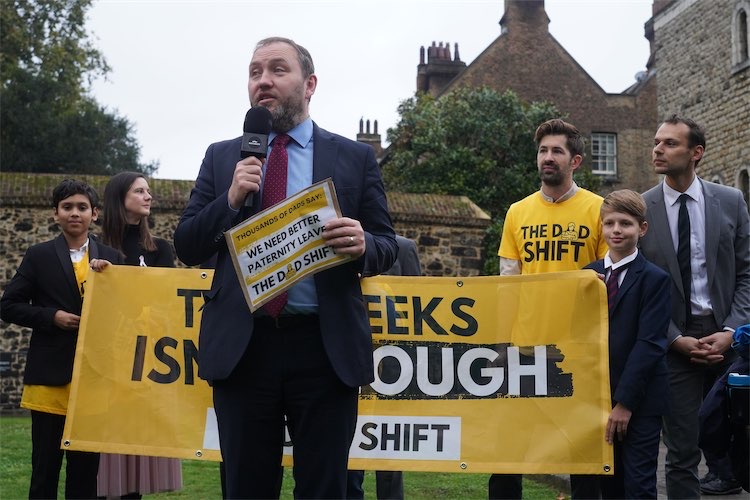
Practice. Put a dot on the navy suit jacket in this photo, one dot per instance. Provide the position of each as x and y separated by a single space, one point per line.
43 284
638 325
227 324
727 254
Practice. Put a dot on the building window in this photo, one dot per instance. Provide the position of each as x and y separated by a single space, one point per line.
740 36
742 20
604 153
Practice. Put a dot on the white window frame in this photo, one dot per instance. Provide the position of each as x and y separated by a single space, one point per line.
604 158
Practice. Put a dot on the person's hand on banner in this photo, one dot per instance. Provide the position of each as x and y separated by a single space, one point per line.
99 264
345 236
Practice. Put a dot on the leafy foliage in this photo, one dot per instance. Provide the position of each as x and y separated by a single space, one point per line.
474 142
49 123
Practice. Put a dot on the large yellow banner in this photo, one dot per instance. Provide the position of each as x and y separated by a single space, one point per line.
481 374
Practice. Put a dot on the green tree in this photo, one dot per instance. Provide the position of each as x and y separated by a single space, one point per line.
472 141
49 123
475 142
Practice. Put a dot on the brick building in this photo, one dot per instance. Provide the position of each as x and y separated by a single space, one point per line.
700 55
619 127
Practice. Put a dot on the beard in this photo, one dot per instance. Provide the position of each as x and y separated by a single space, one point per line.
555 178
289 111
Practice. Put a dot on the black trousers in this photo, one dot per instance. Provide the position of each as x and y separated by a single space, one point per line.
285 372
389 485
505 487
636 460
46 460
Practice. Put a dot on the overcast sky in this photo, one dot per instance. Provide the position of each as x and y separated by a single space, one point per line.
179 68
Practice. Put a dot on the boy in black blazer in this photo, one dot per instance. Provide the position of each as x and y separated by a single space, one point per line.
639 311
46 295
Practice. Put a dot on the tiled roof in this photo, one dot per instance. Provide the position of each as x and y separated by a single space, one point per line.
28 189
436 208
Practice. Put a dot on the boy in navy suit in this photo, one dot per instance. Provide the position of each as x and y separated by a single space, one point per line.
639 311
46 294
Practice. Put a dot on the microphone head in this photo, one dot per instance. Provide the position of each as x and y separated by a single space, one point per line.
258 123
258 120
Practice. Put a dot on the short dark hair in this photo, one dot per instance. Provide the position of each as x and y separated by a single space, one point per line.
625 201
70 187
696 135
303 55
556 126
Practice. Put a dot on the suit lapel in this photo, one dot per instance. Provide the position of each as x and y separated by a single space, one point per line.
634 272
324 154
63 254
712 216
598 266
93 249
663 236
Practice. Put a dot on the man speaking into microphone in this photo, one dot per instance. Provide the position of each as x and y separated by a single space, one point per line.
305 353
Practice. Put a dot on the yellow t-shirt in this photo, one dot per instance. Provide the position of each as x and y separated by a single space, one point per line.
549 237
81 270
46 398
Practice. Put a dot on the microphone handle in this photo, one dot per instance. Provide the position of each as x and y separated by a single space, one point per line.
249 197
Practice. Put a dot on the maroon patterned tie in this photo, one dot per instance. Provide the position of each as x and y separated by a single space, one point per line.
613 286
274 190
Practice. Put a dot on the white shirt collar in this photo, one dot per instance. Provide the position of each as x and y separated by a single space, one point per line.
76 254
671 195
622 262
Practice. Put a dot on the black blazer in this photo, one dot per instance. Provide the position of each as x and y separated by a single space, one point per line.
43 284
227 324
638 324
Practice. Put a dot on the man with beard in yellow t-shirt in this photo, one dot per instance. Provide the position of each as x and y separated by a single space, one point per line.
554 229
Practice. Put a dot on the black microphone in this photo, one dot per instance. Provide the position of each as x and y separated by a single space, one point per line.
258 122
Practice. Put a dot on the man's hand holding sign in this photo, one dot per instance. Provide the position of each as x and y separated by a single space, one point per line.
298 237
345 236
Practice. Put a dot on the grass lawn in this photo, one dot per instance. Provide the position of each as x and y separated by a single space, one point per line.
201 479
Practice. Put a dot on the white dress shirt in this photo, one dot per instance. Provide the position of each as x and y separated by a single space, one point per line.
700 303
609 266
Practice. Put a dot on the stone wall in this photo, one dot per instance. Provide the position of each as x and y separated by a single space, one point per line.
449 231
698 77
